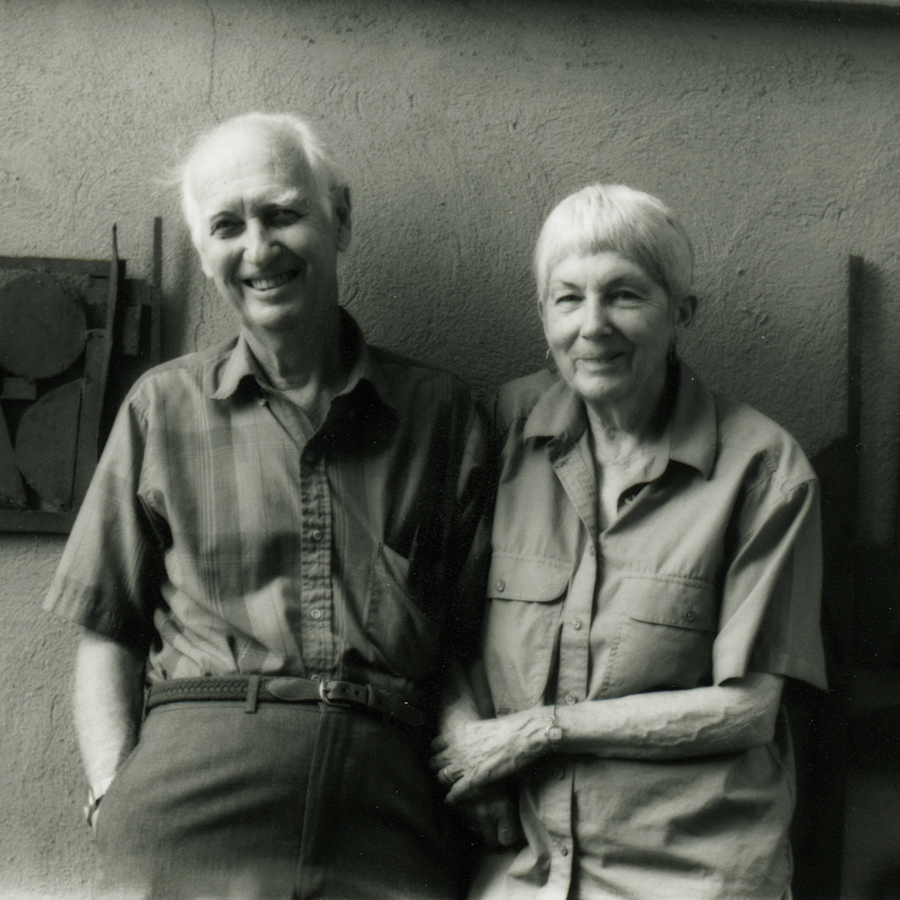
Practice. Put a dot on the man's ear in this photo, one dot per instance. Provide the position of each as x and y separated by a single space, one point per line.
342 218
207 269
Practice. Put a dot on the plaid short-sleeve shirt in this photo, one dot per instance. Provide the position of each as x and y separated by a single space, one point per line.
223 534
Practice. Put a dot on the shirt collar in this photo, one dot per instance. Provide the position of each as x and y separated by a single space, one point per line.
560 415
365 382
241 365
693 429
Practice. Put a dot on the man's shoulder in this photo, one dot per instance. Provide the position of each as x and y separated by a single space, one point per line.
404 378
190 373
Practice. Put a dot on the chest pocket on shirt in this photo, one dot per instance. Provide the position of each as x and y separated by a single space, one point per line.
525 604
667 626
405 640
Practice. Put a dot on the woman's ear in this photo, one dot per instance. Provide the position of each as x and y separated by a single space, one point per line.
685 310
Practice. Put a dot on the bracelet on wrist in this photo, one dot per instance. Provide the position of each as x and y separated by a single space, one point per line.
553 732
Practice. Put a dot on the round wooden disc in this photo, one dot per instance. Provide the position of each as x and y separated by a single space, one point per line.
42 328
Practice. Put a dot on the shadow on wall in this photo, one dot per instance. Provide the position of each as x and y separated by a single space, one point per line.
848 741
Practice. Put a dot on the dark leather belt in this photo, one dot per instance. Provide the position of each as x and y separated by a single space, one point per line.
254 689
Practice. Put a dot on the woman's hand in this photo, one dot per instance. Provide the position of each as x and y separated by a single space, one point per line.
473 754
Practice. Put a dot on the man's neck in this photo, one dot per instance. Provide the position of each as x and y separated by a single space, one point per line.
306 364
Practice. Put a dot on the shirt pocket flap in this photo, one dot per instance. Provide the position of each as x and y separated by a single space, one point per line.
680 603
526 578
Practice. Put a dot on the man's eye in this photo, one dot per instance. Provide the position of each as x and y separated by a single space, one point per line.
224 228
626 296
568 298
281 218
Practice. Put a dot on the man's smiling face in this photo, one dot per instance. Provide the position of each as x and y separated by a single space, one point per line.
264 236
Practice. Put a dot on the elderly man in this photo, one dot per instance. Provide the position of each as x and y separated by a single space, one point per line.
271 567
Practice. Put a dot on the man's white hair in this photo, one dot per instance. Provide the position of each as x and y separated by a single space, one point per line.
284 132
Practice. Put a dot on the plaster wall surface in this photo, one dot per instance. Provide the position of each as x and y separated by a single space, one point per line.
773 131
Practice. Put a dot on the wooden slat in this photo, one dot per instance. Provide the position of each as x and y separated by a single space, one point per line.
156 294
98 268
30 521
855 279
96 368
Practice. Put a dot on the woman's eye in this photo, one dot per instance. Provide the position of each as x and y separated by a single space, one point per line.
568 298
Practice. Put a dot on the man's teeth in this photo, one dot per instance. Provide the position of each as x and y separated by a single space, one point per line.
267 284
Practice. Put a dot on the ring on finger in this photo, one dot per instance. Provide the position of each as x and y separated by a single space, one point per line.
445 777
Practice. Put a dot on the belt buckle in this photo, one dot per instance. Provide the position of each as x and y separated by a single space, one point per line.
323 695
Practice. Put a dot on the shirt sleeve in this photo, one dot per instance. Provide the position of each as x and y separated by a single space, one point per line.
469 547
108 576
772 588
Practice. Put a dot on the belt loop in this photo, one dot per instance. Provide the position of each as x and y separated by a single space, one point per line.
252 694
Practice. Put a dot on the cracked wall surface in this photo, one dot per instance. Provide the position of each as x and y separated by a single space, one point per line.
773 132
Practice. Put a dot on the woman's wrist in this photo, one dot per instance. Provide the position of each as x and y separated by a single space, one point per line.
553 732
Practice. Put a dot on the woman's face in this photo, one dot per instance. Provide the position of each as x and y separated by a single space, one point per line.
609 326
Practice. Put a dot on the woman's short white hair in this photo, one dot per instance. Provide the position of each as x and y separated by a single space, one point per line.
283 131
613 217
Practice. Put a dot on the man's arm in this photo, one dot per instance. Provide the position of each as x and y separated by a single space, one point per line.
108 699
683 724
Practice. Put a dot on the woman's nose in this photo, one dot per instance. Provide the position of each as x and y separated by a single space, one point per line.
596 317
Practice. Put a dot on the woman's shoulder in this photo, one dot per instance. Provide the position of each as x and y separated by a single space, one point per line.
517 398
747 432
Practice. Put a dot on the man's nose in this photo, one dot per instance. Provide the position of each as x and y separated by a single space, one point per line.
260 245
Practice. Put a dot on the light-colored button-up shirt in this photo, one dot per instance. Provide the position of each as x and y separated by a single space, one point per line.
223 533
710 571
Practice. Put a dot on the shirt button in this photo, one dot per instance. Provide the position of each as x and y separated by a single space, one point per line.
315 677
591 551
316 535
310 456
576 624
563 849
559 773
571 699
501 585
316 614
690 615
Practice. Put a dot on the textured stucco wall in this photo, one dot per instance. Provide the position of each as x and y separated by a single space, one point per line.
775 134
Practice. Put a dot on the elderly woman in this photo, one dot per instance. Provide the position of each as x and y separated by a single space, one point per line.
654 583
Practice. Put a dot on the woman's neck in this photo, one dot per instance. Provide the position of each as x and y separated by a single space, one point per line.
621 430
626 443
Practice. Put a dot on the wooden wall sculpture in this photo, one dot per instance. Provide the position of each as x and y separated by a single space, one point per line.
74 334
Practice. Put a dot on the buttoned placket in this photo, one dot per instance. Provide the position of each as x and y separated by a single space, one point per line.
317 641
576 476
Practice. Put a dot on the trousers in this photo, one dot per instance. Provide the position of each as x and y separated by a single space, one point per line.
293 802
